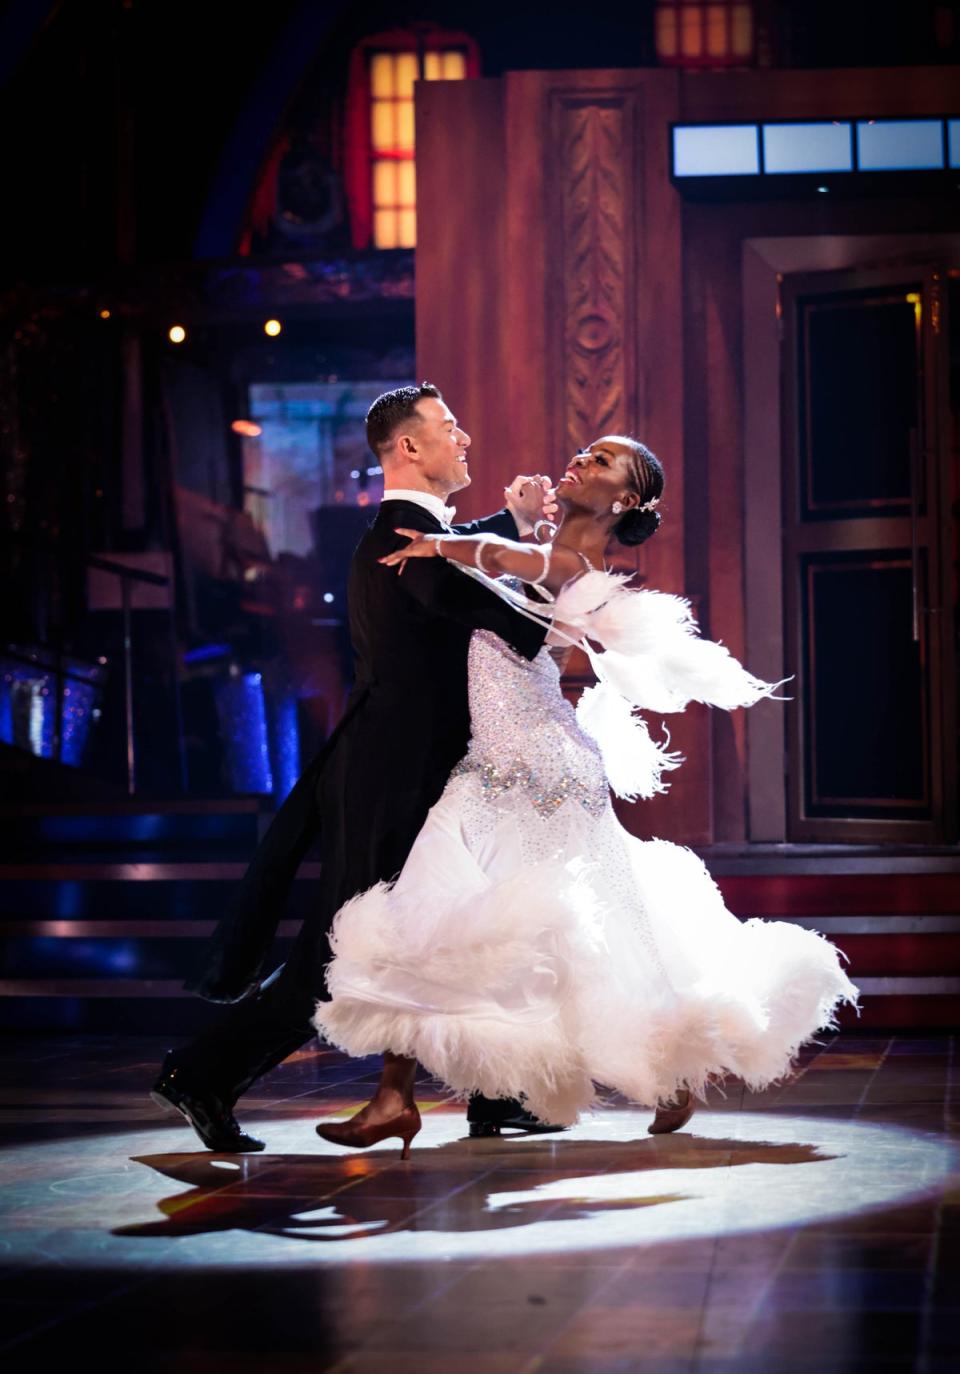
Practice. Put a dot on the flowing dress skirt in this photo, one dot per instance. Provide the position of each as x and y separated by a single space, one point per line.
532 947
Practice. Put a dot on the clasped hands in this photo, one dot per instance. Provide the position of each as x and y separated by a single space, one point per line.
529 499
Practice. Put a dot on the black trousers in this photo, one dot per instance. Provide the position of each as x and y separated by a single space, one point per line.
258 1034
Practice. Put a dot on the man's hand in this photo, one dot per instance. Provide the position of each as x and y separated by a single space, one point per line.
530 499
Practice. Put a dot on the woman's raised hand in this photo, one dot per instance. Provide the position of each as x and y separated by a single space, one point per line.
421 546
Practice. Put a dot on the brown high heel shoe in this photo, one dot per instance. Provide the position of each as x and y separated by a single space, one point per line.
672 1118
405 1125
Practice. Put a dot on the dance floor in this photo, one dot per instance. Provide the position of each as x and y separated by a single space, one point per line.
814 1227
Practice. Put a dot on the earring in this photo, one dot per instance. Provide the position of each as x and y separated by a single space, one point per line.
617 507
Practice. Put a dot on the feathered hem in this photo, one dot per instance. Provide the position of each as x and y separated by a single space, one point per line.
539 987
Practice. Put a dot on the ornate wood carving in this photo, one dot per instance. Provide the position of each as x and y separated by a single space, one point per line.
592 203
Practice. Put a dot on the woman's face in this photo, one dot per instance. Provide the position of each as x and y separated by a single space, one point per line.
597 476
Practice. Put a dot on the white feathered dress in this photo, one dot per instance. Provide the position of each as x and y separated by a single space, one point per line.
531 946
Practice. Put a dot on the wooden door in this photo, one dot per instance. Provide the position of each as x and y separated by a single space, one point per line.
871 752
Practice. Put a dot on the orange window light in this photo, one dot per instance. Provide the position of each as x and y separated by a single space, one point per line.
392 76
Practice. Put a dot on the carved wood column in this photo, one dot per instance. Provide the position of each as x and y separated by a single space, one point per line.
592 192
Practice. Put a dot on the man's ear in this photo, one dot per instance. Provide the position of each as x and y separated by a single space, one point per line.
407 446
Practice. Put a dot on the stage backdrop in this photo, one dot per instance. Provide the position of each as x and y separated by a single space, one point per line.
565 289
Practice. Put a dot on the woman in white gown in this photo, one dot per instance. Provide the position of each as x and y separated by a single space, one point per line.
531 947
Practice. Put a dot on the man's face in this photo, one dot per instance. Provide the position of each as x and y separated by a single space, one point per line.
442 446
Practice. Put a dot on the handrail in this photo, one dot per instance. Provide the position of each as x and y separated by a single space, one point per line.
127 575
125 571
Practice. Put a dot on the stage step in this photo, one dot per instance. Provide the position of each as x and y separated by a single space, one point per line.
228 829
103 912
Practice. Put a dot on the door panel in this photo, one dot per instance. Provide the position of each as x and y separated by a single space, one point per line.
864 572
863 689
861 376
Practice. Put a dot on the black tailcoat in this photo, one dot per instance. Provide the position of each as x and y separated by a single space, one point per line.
368 792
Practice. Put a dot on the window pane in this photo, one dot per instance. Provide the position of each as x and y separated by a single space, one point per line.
718 150
454 66
392 78
385 229
382 126
381 75
858 629
807 147
384 184
717 45
406 183
861 380
892 145
666 31
742 37
404 135
691 31
407 237
953 128
408 70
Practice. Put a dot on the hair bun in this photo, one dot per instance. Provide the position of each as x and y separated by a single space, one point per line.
636 526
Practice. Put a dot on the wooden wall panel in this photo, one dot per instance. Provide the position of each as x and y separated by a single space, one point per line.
460 267
569 252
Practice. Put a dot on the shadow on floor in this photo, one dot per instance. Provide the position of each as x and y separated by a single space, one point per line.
447 1188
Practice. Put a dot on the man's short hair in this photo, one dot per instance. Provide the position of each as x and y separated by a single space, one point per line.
393 409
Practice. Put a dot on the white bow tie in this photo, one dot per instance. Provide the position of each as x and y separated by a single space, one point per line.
449 514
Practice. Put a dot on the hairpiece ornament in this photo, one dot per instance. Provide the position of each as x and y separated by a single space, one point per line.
617 507
649 505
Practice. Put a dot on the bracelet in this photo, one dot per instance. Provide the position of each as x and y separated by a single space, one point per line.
547 525
545 550
480 548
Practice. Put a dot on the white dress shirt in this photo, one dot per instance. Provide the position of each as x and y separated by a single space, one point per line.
426 499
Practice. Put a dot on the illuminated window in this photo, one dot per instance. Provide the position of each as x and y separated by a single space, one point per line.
378 134
393 175
691 33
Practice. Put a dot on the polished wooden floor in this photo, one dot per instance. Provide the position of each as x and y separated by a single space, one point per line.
815 1227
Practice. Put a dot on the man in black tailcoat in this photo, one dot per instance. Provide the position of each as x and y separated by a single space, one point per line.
368 792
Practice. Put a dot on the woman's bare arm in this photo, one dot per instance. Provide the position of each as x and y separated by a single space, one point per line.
549 565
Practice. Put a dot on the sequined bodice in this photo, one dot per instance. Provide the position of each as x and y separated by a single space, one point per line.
524 733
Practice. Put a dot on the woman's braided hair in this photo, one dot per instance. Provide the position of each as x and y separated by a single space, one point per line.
646 479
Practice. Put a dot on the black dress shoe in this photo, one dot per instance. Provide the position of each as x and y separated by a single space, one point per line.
209 1116
489 1116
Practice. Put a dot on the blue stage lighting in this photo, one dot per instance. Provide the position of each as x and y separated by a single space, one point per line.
204 652
285 739
243 730
28 705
